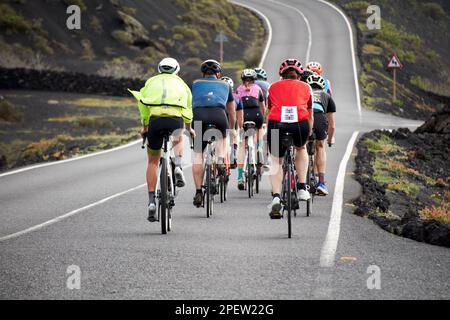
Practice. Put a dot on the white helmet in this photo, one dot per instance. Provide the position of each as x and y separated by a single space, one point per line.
229 81
168 65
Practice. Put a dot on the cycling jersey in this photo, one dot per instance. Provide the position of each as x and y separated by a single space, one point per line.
250 96
289 101
238 103
323 102
264 85
327 88
164 95
210 92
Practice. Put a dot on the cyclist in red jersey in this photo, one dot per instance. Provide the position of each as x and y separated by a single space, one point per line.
290 111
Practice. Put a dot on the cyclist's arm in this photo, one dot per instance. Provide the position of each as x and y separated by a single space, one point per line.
331 109
231 109
262 104
311 113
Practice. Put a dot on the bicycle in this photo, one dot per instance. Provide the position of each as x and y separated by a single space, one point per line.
165 188
311 173
253 171
209 177
289 187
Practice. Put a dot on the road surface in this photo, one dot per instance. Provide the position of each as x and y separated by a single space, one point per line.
237 253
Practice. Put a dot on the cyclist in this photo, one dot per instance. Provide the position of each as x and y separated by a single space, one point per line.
290 105
316 67
324 109
252 98
239 122
212 99
165 104
261 81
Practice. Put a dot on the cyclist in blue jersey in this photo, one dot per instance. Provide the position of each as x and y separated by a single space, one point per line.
324 109
212 99
316 67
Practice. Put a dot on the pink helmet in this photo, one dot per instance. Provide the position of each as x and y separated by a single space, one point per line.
291 63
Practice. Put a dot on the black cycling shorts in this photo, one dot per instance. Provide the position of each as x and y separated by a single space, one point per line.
299 131
203 119
255 115
158 126
320 125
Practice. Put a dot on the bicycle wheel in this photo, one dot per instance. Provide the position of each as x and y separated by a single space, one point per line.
213 190
289 201
208 190
171 201
309 180
164 196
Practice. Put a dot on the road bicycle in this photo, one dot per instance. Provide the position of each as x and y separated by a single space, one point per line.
209 176
289 186
165 188
311 180
253 172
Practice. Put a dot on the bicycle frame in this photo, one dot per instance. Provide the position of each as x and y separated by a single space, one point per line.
169 198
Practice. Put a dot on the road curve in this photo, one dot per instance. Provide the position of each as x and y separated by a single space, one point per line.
239 252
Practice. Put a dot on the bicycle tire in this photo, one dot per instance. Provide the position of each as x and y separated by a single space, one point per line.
308 180
258 176
249 180
289 201
221 189
208 190
164 196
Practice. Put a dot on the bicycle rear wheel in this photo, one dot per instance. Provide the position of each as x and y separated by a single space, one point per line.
222 189
289 201
308 181
164 197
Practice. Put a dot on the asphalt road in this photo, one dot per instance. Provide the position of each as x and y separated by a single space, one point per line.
237 253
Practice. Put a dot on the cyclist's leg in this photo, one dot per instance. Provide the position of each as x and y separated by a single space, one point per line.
199 125
320 128
301 133
277 150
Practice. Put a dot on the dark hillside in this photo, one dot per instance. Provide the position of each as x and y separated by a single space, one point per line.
418 32
125 37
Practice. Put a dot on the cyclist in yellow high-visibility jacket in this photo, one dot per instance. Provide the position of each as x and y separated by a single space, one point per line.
165 105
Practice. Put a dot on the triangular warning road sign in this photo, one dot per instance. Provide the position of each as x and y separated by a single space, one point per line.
394 62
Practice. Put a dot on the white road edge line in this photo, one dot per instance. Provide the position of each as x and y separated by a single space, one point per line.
327 255
70 159
72 213
352 48
308 26
269 27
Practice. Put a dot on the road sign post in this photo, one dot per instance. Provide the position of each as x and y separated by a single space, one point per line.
394 64
221 38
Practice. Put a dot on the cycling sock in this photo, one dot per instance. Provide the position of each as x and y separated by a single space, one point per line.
151 197
276 195
321 177
259 145
302 186
240 173
177 161
198 191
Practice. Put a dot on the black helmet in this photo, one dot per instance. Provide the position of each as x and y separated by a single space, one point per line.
306 74
212 65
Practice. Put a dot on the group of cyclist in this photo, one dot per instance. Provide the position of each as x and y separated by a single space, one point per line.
298 104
